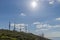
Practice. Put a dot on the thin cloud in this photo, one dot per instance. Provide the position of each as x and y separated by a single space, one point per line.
36 23
40 25
22 14
51 2
58 1
58 19
44 29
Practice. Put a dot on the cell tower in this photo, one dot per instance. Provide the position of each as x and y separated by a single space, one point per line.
9 25
20 27
14 27
42 35
25 28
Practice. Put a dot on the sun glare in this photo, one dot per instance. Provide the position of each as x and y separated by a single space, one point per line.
34 4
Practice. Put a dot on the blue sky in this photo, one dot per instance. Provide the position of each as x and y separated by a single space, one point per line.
45 17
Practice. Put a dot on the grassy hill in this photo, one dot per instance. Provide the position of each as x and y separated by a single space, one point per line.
14 35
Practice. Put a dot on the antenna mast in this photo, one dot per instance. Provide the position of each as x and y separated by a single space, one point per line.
9 25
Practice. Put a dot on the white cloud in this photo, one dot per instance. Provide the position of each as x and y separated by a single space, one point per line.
22 14
40 25
36 23
12 24
51 2
58 18
19 25
49 26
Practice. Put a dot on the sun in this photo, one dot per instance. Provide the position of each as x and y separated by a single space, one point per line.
34 4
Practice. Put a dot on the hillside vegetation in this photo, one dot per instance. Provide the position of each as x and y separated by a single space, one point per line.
14 35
